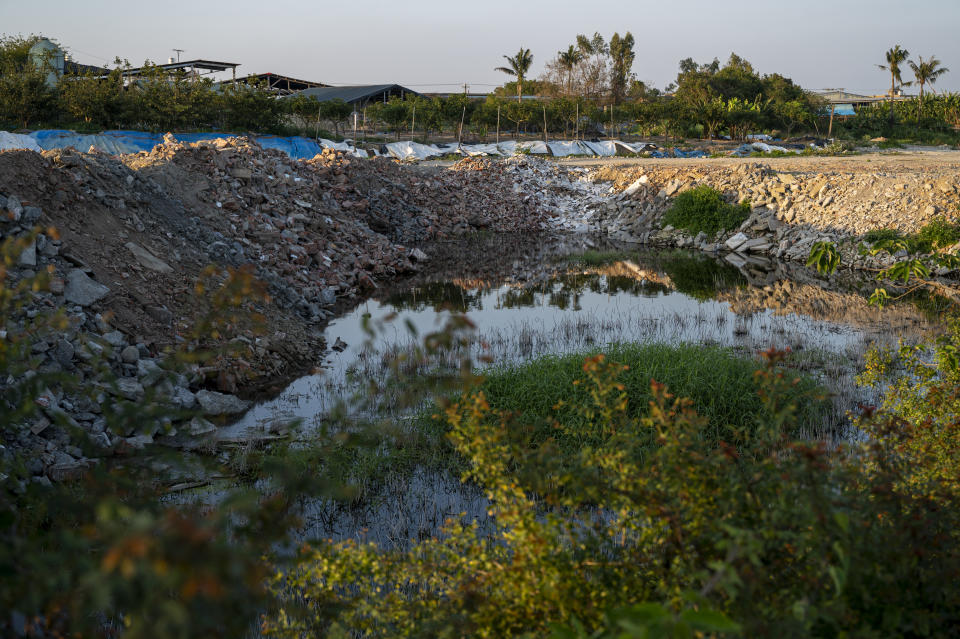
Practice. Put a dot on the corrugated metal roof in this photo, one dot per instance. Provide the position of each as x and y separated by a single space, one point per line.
353 94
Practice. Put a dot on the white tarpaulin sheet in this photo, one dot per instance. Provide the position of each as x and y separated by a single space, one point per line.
536 148
745 150
10 141
480 149
412 150
563 149
605 148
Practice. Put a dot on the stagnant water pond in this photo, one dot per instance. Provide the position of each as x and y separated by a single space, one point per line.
532 299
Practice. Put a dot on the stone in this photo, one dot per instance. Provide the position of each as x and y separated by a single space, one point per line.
130 355
115 338
39 425
736 241
160 314
149 371
418 255
130 388
138 442
14 208
199 426
633 188
63 352
756 245
183 398
31 215
83 290
213 403
148 259
28 257
328 296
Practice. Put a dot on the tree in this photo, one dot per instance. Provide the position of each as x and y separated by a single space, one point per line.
622 57
24 94
518 67
593 78
926 71
94 100
336 111
569 59
895 57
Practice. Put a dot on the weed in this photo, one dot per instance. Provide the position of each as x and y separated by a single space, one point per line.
881 235
704 209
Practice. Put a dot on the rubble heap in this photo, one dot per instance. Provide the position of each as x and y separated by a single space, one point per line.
134 233
791 209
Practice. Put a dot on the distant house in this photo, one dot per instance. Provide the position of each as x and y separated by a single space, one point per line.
49 57
359 96
844 103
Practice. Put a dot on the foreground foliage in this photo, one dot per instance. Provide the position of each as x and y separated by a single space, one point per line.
768 537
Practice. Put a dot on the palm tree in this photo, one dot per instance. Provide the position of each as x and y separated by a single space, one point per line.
895 57
568 60
519 65
926 71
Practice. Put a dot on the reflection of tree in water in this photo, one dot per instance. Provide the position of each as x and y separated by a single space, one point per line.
439 296
700 277
565 292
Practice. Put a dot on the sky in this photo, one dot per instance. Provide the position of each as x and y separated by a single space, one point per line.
438 45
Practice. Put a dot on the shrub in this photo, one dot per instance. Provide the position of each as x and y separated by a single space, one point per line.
881 235
937 234
704 209
772 537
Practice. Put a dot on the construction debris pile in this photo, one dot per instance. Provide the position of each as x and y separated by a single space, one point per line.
791 210
569 196
135 232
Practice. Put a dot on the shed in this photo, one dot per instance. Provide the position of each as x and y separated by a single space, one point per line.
358 96
280 84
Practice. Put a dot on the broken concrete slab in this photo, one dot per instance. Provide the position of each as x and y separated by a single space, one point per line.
148 259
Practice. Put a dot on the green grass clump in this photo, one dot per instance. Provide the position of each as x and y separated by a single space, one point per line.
720 383
881 235
704 209
936 234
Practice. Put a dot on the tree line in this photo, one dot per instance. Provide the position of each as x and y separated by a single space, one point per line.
588 89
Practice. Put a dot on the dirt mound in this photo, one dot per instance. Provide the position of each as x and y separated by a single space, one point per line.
317 231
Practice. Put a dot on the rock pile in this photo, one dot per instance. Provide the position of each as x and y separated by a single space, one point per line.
136 232
791 210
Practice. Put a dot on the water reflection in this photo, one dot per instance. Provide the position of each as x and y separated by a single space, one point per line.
568 304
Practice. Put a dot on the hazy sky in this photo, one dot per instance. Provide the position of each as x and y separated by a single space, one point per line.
436 45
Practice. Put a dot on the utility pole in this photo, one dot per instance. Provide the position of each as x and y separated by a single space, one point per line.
545 141
178 51
465 88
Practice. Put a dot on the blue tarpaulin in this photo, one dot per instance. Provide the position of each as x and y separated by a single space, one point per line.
117 142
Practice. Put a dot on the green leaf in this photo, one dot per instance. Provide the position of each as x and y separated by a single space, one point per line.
824 257
709 621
